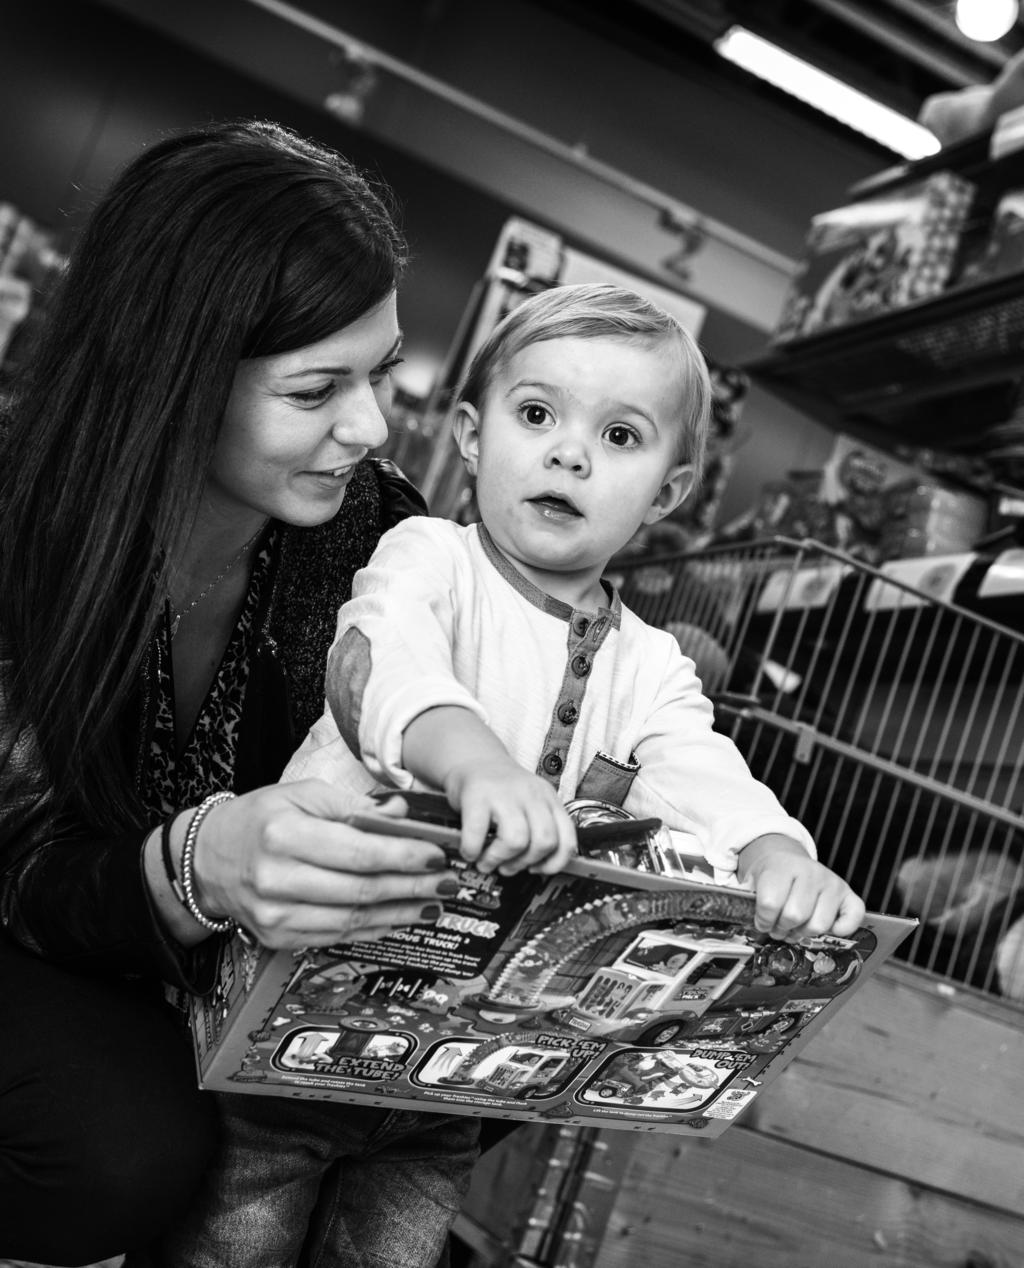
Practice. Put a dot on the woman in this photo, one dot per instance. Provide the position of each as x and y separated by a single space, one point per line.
184 497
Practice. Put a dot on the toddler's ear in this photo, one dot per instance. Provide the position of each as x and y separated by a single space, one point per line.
678 483
466 430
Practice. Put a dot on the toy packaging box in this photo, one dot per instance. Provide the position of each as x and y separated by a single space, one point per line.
870 257
605 995
886 508
1002 253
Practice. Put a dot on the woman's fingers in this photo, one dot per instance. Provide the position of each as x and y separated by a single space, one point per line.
311 826
269 858
310 925
300 882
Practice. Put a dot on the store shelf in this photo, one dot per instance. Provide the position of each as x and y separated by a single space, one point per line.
970 158
933 372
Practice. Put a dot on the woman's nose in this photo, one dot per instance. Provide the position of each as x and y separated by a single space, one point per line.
360 420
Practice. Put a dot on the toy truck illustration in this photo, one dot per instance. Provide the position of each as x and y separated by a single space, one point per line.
523 1069
509 1067
658 976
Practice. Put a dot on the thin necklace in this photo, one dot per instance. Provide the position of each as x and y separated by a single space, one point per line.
211 585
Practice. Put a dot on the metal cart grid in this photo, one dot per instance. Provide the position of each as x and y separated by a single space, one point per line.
885 717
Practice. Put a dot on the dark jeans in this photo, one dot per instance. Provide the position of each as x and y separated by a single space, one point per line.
325 1185
103 1134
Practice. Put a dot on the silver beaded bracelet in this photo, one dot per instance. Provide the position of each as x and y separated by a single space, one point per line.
188 880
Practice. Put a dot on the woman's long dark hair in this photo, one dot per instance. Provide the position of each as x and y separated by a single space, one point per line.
227 242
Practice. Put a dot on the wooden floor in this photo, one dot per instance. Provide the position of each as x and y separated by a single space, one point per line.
895 1140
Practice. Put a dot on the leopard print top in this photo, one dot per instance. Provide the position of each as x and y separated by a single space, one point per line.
207 763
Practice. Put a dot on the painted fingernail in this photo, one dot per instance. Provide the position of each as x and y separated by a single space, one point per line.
447 888
436 863
432 911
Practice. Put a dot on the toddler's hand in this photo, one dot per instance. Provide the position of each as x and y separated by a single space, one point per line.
533 829
796 896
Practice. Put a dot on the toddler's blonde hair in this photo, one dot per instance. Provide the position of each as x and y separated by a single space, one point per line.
598 310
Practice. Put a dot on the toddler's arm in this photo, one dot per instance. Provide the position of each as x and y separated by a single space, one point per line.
695 780
401 709
452 749
797 897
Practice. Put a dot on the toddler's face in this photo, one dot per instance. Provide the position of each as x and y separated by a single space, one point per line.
576 445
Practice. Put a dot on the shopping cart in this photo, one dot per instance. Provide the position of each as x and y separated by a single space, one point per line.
886 717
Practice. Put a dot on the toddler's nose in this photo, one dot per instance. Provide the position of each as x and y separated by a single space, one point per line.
570 454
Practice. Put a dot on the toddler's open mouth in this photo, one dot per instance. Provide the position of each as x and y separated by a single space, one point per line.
552 505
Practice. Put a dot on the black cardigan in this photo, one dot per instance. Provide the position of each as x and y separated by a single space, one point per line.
79 899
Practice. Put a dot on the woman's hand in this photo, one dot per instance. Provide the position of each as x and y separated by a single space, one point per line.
282 862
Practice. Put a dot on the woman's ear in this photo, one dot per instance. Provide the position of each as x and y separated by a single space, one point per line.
679 481
466 430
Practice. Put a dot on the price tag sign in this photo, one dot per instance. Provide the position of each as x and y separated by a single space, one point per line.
804 588
932 578
1005 575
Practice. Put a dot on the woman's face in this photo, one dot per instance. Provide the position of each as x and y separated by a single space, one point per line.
297 423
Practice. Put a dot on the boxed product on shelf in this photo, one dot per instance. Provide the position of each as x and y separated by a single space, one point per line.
855 481
925 518
876 255
635 996
856 468
869 503
1002 252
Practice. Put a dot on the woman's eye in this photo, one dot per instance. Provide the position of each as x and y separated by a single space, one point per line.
313 396
621 436
385 369
534 415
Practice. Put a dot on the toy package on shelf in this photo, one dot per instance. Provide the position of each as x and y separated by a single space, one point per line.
1002 252
922 517
876 255
609 995
886 507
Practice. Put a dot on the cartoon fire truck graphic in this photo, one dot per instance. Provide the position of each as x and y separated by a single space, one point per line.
659 973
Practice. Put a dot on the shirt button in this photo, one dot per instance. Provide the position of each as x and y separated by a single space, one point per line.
568 713
552 763
581 625
580 666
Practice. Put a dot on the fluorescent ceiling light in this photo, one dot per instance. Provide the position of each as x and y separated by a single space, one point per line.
825 93
985 20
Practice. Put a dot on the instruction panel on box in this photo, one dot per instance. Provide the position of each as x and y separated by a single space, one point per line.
603 995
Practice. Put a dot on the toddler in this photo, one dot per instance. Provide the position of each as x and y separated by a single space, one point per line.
494 663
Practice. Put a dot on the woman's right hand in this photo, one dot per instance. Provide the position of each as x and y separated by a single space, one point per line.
282 862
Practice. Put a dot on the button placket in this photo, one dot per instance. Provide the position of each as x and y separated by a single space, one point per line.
584 636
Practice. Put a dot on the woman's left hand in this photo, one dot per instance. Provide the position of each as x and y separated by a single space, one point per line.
282 862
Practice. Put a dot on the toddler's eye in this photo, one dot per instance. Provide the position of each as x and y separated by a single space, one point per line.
621 436
535 415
